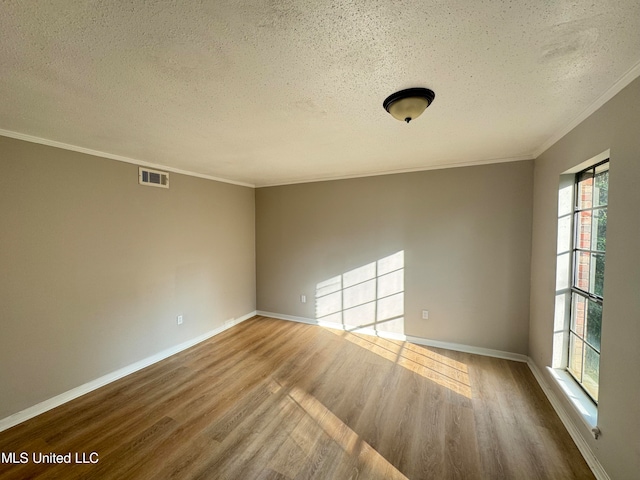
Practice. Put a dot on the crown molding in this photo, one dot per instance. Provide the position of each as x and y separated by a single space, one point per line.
112 156
626 79
439 166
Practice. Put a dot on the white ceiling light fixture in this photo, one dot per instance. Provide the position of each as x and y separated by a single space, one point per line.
408 104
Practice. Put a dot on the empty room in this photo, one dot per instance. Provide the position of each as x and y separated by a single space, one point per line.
320 240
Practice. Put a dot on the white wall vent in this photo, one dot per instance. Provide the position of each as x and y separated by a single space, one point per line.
153 178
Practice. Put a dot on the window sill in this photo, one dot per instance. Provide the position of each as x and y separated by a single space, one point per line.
583 405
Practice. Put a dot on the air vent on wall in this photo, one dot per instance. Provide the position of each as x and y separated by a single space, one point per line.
153 178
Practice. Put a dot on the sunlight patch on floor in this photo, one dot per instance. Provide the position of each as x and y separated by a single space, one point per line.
344 436
442 370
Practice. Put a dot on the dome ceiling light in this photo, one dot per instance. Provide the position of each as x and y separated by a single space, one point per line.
408 104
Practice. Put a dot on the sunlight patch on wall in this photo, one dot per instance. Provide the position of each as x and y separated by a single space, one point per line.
368 299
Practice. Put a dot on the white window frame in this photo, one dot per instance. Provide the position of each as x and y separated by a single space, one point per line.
578 291
579 399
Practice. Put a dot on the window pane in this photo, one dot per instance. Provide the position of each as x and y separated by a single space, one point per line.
582 277
598 235
583 230
591 372
594 323
578 315
601 190
585 190
589 274
576 347
598 279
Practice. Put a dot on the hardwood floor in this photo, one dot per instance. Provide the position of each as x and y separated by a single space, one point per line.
270 399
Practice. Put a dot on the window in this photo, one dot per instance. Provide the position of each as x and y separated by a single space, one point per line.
588 257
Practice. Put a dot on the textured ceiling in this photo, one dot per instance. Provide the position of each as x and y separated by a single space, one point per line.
271 92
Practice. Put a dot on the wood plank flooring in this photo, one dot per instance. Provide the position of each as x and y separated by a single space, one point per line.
270 399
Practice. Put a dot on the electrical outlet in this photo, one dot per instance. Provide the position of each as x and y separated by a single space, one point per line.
425 314
303 298
179 319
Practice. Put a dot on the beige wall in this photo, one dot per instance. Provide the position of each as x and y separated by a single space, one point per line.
465 233
615 126
95 268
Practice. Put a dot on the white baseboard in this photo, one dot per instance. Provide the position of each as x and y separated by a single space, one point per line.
291 318
595 466
69 395
410 338
458 347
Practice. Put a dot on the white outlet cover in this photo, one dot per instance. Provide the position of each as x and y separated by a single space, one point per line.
179 319
425 314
